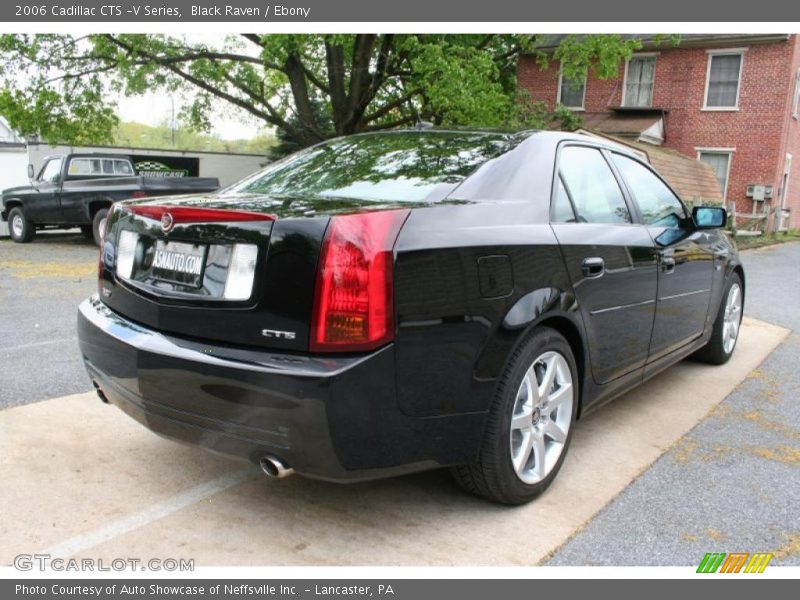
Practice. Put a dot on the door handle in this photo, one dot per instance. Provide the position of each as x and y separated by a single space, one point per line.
594 266
667 265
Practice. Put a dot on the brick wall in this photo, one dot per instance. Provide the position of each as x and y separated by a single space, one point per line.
762 130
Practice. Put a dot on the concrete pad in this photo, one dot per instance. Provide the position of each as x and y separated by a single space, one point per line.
84 480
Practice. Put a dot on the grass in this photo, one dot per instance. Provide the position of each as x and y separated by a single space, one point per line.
759 241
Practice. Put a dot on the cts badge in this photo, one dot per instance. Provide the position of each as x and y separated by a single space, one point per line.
280 335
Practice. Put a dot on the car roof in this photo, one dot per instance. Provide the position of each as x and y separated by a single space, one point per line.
553 136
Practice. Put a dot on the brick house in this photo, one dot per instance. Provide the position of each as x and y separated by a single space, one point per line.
732 101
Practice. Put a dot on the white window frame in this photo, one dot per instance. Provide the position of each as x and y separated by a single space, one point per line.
796 97
787 173
582 107
730 152
723 52
625 77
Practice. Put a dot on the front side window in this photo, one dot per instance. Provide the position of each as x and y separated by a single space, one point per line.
724 75
658 204
571 92
590 183
639 80
720 163
51 171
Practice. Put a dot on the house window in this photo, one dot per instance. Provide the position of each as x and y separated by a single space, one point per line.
571 92
723 80
796 101
640 74
720 162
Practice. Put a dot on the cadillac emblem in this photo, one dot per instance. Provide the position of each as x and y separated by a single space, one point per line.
167 222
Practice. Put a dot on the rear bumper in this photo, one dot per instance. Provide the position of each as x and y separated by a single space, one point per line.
329 418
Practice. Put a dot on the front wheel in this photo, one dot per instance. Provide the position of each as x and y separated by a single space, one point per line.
728 321
529 427
19 227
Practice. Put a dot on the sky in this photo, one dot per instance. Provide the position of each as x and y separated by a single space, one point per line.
156 108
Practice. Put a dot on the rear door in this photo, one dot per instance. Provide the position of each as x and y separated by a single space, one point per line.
686 259
610 258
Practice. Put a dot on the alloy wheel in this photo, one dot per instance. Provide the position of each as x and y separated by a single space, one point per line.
541 417
732 318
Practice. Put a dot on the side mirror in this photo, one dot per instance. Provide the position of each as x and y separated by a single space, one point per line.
30 172
709 217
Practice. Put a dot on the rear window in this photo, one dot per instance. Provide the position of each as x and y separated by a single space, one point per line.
396 167
99 167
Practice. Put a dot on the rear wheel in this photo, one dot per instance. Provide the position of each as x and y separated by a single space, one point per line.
720 347
99 225
530 423
19 227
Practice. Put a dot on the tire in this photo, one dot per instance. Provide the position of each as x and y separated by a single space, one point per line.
98 225
503 473
720 347
20 228
87 231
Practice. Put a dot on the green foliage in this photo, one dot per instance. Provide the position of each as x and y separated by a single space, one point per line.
309 87
145 136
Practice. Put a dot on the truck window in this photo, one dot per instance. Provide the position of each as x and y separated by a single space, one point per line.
51 170
85 166
123 167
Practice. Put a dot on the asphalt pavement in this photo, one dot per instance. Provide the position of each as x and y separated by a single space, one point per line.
41 285
732 484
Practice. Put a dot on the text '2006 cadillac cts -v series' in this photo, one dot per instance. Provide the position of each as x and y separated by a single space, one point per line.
392 302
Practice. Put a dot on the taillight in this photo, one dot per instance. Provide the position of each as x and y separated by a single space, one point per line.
354 299
191 214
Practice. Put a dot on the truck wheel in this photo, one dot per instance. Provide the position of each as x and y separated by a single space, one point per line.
20 228
99 225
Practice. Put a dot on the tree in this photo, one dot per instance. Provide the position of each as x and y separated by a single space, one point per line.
309 87
162 136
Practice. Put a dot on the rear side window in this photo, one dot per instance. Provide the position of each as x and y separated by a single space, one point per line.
658 205
590 183
562 206
122 167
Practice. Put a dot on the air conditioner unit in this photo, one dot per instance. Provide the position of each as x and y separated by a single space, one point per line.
759 192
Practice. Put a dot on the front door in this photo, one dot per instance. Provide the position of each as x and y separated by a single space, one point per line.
686 259
610 259
45 205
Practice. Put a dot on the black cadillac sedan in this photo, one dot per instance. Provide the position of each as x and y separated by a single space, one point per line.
391 302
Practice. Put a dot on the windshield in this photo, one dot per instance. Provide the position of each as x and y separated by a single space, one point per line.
396 167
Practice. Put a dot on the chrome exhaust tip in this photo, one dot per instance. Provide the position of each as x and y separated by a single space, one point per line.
274 467
100 393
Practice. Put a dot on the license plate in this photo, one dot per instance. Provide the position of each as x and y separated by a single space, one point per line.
178 262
